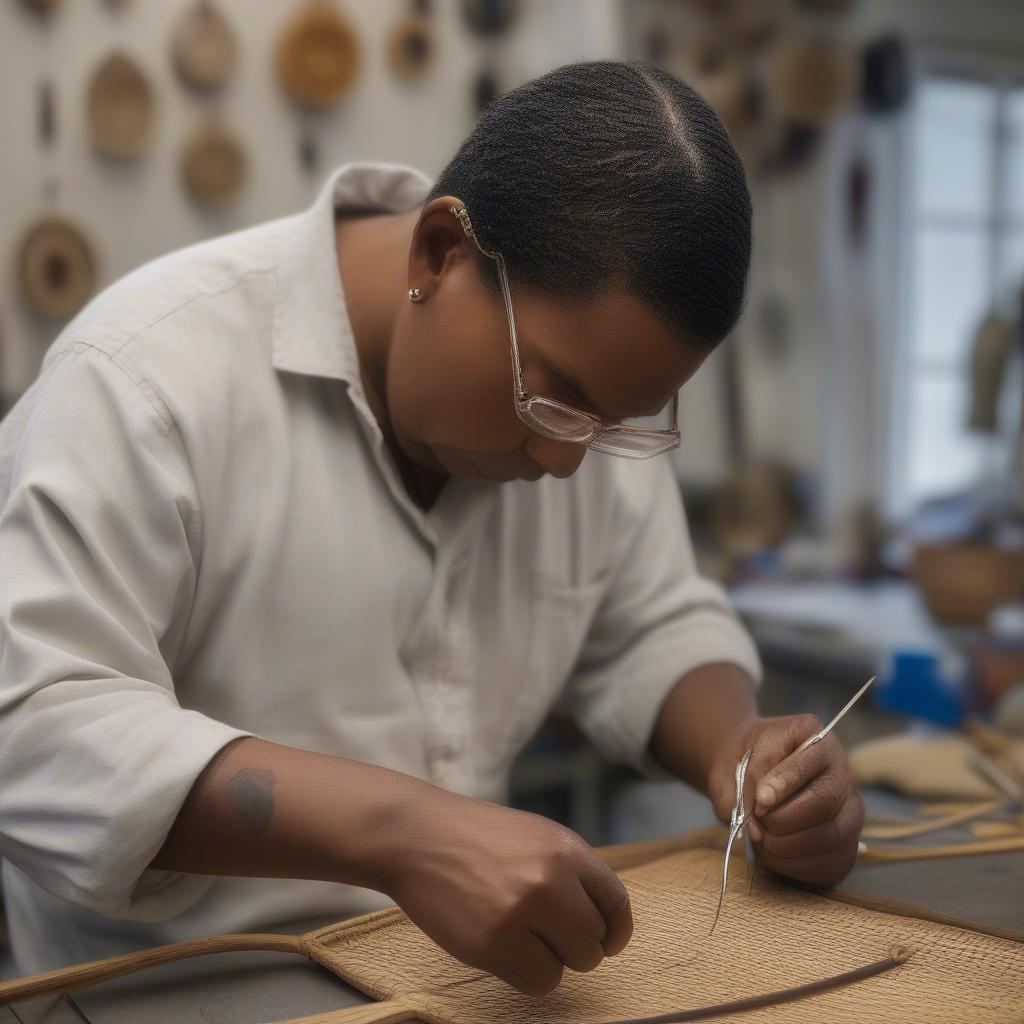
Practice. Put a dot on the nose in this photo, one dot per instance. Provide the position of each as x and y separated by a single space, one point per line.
559 458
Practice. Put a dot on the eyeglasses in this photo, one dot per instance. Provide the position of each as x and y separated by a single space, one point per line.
564 422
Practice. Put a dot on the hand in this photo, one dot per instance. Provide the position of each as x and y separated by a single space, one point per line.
512 893
807 813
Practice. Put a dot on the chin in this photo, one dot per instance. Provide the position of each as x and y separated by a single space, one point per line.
475 466
502 476
498 478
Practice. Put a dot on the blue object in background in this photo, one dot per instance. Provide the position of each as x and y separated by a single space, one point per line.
914 686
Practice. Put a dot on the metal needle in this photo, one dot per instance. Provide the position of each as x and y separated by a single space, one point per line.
819 736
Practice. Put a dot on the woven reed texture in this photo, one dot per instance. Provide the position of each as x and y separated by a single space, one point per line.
777 937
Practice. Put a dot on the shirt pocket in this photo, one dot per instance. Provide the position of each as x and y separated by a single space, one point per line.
560 616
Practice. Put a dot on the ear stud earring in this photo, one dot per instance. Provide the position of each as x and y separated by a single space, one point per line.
415 295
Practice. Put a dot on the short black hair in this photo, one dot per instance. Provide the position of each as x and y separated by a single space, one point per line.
611 170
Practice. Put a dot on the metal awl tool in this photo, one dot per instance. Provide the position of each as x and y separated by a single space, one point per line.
819 736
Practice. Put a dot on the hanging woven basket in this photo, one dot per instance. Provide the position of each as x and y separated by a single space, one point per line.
56 268
121 108
318 56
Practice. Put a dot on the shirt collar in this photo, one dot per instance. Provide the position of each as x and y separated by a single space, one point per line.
312 332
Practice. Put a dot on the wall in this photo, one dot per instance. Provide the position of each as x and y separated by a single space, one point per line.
824 407
139 210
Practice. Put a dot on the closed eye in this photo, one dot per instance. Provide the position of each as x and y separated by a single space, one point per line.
577 398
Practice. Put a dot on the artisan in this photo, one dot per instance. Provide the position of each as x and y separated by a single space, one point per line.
306 529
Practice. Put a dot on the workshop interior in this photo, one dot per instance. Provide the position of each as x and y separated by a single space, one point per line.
851 457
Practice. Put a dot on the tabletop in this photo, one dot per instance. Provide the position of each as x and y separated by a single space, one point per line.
252 987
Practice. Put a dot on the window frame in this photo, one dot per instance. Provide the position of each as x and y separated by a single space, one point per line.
1004 74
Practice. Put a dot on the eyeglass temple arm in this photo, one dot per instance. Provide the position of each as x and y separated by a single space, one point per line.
462 215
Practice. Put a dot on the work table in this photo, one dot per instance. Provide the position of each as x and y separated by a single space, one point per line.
251 987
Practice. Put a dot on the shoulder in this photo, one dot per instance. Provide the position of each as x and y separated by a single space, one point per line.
183 300
195 322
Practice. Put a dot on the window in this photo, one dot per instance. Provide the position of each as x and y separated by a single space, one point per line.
966 259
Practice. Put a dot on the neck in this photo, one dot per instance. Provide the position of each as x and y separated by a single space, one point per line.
372 260
373 253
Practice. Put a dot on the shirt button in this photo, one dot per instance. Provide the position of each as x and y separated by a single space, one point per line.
444 752
455 574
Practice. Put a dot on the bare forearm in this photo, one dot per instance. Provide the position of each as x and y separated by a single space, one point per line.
271 811
706 706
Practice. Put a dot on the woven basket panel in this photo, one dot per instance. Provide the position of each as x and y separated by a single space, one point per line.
775 938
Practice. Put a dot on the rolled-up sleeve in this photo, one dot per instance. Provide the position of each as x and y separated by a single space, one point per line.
100 533
658 620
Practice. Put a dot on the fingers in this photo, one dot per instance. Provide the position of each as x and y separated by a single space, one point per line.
610 897
813 864
804 814
583 918
574 930
837 833
816 803
771 741
796 768
535 969
722 780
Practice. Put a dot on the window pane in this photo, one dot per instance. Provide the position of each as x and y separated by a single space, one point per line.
956 128
1015 143
1011 278
943 455
951 292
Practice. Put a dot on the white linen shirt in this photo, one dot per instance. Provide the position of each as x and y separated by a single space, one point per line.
203 536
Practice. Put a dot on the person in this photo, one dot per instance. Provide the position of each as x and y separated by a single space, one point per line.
307 528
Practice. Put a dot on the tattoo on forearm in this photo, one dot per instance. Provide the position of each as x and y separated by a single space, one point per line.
249 792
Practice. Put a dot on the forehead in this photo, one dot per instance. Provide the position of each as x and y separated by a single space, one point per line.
613 344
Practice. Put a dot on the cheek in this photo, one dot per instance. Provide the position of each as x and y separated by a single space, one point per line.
447 390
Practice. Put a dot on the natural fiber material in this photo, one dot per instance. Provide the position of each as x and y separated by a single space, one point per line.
919 766
776 938
318 56
57 268
121 108
204 47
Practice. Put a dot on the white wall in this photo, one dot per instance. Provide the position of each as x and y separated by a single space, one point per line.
135 211
823 407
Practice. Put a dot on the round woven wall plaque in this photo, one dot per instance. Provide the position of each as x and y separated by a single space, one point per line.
410 46
317 56
56 268
121 108
213 163
204 48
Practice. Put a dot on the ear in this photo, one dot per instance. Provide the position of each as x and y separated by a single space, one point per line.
437 242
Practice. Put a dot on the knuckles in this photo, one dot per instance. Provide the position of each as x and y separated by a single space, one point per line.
827 795
807 725
541 985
